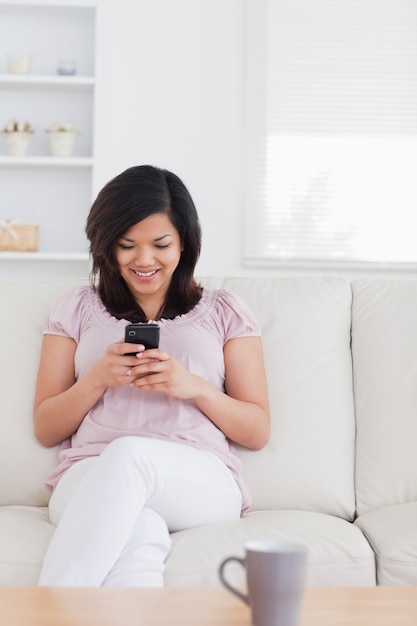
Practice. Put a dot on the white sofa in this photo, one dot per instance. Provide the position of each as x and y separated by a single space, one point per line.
339 472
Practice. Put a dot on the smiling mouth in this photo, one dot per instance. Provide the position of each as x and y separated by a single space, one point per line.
145 274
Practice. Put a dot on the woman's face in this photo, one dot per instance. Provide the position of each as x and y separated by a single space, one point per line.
147 256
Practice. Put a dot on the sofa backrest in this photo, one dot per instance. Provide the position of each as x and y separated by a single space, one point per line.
24 463
384 350
309 461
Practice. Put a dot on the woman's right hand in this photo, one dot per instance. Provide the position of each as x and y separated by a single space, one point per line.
114 369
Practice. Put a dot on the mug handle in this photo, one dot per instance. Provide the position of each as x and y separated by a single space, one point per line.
222 576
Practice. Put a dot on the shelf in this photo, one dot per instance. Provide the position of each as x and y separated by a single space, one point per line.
44 256
54 192
47 162
61 82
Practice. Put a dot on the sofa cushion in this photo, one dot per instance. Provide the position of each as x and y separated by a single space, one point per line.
23 460
25 533
384 353
392 533
338 552
308 463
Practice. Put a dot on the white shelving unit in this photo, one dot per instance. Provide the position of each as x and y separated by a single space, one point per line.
54 192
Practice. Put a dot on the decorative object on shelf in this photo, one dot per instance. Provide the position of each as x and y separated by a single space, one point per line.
62 136
67 67
16 135
19 64
16 236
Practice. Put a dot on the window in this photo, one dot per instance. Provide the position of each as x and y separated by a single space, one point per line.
332 132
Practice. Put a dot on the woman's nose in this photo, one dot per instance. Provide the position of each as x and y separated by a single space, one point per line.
144 257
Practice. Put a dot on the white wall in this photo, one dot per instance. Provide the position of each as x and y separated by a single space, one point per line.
171 84
170 93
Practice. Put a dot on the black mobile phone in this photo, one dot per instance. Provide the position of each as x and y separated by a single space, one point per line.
146 334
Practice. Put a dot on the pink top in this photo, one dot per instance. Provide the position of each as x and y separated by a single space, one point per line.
196 339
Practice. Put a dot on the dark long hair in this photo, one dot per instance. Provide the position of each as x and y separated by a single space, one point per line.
127 199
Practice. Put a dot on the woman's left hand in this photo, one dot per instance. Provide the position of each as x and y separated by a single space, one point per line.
159 371
240 411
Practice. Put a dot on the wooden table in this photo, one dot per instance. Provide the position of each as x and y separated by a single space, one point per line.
42 606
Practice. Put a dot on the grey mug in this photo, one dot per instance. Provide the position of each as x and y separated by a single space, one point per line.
276 575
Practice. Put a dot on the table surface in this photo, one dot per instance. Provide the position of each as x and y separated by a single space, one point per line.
330 606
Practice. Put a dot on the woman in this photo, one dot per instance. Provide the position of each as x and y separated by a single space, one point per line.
145 439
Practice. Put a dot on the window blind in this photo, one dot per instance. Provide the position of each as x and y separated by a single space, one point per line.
331 131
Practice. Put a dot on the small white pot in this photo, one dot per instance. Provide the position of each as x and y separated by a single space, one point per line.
62 143
18 65
17 143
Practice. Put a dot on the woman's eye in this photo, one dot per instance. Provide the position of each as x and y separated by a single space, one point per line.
123 246
160 246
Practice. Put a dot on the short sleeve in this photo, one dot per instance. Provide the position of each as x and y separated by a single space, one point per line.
66 314
236 317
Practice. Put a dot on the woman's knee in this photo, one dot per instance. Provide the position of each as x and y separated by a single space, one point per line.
121 450
142 450
129 460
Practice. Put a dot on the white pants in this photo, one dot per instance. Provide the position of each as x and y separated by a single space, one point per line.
114 512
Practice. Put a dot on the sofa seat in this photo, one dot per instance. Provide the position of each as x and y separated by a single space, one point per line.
26 531
392 533
338 549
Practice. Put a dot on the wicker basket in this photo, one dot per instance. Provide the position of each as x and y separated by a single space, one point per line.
16 237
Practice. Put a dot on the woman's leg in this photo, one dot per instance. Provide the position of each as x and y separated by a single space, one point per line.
142 561
105 528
